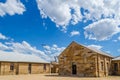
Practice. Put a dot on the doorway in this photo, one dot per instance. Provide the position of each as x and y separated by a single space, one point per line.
74 69
17 69
116 67
29 68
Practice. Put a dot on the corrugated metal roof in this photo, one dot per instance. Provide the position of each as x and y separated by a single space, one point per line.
19 57
116 58
100 52
96 50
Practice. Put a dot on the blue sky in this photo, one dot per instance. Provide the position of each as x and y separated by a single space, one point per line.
47 27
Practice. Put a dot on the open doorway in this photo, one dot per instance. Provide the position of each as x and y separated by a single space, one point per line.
74 69
29 68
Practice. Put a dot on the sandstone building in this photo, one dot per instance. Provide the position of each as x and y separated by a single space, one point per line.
15 63
54 67
116 66
76 59
81 60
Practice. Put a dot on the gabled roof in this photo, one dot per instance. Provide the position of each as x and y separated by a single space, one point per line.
93 49
116 58
19 57
100 52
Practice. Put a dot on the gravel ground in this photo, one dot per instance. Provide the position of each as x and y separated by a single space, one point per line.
53 77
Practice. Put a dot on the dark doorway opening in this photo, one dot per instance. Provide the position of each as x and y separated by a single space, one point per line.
29 68
115 67
74 69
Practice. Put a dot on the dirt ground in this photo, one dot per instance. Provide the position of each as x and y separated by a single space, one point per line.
53 77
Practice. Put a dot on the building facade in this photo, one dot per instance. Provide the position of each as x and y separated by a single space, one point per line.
83 61
16 63
116 66
15 68
76 59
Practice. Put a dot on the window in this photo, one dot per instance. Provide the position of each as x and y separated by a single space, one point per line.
116 66
11 66
44 67
102 67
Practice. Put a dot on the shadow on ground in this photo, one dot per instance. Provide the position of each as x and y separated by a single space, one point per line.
56 75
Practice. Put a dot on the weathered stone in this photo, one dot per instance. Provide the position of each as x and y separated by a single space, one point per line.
82 61
23 68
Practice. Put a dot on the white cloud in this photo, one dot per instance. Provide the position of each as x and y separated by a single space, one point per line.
11 7
115 40
54 11
24 48
68 12
3 37
4 47
98 47
118 50
102 29
53 51
119 38
46 47
74 33
108 51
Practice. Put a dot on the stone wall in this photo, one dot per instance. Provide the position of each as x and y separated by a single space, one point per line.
104 65
116 67
39 68
23 68
86 61
77 55
5 69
